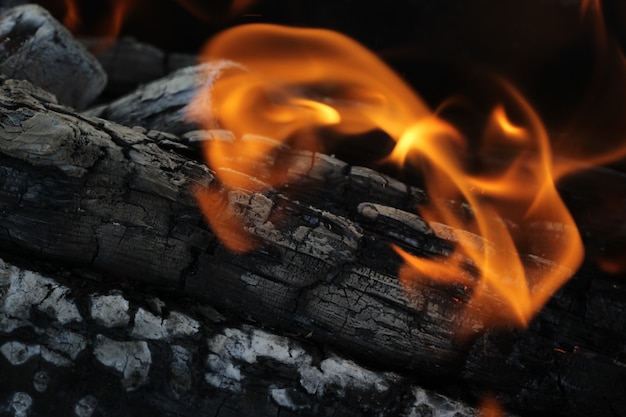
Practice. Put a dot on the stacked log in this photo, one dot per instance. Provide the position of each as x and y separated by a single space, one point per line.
112 277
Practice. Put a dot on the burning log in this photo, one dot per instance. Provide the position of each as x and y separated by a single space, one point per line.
114 207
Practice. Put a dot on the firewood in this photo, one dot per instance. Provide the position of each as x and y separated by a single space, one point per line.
96 198
162 104
173 355
39 49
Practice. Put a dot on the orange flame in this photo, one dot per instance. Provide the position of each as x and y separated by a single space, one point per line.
119 13
111 24
515 246
524 193
71 20
587 6
489 407
290 80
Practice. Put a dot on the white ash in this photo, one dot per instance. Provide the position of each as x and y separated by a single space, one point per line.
180 325
27 289
289 399
109 310
150 326
335 376
342 374
56 305
223 373
41 379
236 345
232 353
18 353
247 346
55 357
21 403
436 405
86 406
62 341
130 358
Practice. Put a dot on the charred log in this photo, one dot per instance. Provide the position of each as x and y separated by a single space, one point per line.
162 104
36 47
99 199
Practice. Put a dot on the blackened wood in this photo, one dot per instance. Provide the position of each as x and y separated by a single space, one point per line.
162 104
129 63
96 196
37 48
135 354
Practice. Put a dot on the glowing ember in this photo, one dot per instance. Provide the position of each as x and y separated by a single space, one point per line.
293 80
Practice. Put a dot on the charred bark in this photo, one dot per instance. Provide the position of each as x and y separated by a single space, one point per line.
99 200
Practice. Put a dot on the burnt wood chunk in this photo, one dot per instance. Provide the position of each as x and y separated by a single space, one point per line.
37 48
113 209
174 356
162 104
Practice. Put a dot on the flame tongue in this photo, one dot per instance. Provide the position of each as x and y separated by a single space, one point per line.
307 77
294 80
523 193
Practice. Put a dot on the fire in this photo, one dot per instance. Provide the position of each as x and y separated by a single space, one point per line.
293 80
71 20
111 24
524 192
120 11
289 82
489 407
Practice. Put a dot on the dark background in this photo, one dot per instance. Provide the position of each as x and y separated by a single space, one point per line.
442 47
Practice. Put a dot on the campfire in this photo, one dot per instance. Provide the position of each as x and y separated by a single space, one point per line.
283 220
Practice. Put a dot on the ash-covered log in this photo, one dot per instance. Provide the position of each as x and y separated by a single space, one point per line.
97 199
162 104
136 353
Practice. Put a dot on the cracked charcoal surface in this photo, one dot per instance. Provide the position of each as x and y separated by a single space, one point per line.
211 370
